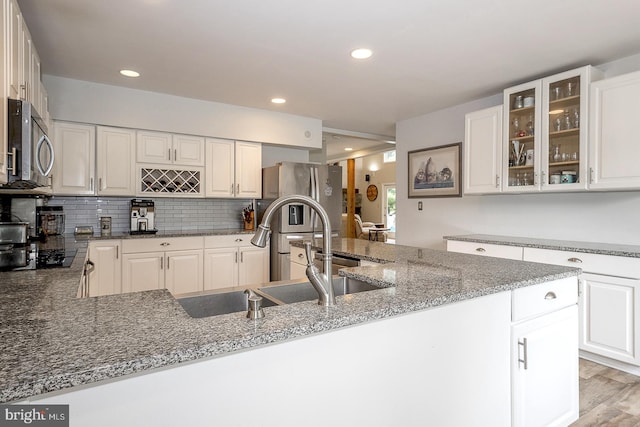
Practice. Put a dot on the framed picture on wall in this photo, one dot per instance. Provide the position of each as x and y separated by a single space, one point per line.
436 171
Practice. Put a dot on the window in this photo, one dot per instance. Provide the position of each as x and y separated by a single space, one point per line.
389 156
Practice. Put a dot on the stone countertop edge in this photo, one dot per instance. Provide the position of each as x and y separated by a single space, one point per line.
630 251
166 234
61 341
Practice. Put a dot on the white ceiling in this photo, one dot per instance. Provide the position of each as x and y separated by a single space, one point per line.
428 54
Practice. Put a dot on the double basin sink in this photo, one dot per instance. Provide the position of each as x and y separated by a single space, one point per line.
235 301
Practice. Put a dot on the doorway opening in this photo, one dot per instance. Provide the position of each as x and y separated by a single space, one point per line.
389 209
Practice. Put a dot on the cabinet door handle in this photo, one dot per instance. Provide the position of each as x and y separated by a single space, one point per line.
576 260
523 359
90 184
100 184
241 256
162 263
236 257
117 252
481 250
535 178
175 155
543 181
300 256
14 160
168 262
169 150
497 181
550 295
590 175
164 244
231 189
238 189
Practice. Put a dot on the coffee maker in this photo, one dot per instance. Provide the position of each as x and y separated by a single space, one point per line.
142 217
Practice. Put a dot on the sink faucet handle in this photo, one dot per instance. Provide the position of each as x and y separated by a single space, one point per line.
254 305
307 251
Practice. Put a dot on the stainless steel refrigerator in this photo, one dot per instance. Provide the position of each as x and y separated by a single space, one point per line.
296 221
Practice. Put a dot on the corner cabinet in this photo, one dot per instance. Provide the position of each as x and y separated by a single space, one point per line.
545 133
234 169
105 278
613 155
483 151
74 165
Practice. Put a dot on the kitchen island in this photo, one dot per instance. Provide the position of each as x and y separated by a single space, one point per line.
439 330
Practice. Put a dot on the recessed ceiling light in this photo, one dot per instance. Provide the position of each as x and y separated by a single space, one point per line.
130 73
361 53
348 149
278 100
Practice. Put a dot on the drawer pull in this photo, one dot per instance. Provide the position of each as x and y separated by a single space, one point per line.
164 244
238 240
550 295
481 250
577 260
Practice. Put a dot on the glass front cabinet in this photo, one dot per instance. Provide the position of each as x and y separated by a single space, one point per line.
545 133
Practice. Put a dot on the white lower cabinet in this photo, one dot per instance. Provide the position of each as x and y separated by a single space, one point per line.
105 276
173 263
609 301
610 326
544 374
544 354
485 249
232 261
298 263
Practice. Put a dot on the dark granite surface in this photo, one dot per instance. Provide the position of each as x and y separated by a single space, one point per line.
632 251
51 340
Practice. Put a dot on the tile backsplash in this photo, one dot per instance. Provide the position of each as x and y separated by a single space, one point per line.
172 214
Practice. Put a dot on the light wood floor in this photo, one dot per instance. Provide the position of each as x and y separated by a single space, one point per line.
608 397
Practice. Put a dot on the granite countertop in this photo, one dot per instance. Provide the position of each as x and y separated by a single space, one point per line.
161 233
53 340
632 251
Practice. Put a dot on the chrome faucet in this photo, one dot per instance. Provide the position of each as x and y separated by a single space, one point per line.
320 281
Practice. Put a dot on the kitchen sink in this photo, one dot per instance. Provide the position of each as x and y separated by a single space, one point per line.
297 292
236 301
219 303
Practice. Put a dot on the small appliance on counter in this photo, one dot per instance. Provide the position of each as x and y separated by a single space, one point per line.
142 217
16 253
50 220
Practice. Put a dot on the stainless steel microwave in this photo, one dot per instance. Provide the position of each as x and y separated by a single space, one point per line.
30 152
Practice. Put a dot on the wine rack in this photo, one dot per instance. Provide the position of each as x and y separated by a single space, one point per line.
171 182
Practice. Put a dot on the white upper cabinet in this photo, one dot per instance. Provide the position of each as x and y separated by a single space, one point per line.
545 133
234 169
188 150
613 135
483 151
154 147
74 165
116 161
165 148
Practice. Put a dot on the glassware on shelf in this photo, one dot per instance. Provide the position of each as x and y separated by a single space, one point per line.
571 89
557 124
518 102
556 93
576 118
566 122
530 128
516 126
556 154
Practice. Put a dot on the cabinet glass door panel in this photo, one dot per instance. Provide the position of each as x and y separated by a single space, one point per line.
564 150
521 129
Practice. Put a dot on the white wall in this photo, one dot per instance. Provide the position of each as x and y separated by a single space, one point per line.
87 102
610 217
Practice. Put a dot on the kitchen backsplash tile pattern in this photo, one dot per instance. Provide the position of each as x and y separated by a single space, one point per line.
172 214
